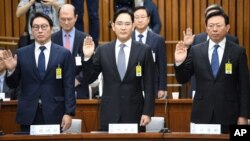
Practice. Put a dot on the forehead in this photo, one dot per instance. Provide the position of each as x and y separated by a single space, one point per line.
124 17
66 12
216 19
40 20
140 12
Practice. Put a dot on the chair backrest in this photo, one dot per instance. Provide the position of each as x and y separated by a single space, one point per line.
75 127
156 124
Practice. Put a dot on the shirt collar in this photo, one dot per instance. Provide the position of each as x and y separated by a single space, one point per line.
144 33
222 44
47 45
127 43
70 33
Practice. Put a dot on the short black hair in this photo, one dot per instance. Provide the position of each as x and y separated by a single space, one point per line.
42 15
218 13
121 11
142 8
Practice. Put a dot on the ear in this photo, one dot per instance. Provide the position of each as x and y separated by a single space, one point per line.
133 28
113 26
228 27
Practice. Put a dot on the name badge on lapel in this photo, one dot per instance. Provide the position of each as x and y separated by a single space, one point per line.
228 67
58 72
138 70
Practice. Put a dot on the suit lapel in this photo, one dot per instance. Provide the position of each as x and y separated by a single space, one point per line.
132 58
31 51
60 36
52 58
112 58
204 52
76 43
149 40
225 58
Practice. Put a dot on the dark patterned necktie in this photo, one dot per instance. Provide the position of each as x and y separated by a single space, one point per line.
215 61
41 62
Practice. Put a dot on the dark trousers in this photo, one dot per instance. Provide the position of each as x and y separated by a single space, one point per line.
93 16
39 120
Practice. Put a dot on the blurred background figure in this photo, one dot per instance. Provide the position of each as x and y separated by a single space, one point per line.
155 22
72 39
93 16
156 43
48 7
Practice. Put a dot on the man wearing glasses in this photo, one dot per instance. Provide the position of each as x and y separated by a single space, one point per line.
124 63
46 72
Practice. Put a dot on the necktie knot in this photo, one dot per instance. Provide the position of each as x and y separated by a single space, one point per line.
140 37
216 46
122 46
42 48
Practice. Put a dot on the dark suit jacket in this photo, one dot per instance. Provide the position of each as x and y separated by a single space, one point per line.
11 93
81 90
57 95
225 97
157 44
199 38
155 21
122 100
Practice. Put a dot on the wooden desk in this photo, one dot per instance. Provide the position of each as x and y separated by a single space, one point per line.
175 136
176 113
62 137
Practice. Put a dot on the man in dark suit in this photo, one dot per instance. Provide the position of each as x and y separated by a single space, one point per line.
124 64
46 72
156 43
191 40
67 18
220 67
155 21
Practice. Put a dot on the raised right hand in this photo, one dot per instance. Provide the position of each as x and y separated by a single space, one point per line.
9 60
188 37
180 52
88 47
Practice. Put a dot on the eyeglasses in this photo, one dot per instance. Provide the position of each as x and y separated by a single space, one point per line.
218 26
120 23
37 27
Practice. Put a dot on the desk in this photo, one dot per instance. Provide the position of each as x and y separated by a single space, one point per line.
176 113
175 136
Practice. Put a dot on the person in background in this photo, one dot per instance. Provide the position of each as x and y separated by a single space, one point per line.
156 43
46 72
48 7
155 21
93 16
72 39
4 88
191 40
124 64
221 75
